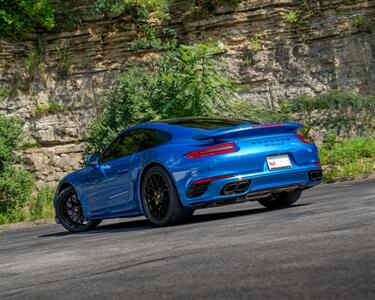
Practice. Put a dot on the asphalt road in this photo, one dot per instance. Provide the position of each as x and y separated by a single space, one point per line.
321 248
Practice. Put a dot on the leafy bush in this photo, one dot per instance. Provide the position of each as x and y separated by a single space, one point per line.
20 17
40 206
127 104
136 9
348 158
344 113
189 81
192 82
16 183
4 93
37 207
258 112
10 137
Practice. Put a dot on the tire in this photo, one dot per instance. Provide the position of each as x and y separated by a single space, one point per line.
70 214
160 199
284 199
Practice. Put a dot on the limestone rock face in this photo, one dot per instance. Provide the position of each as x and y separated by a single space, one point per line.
270 55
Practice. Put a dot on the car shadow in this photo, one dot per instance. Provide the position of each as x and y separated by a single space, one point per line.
144 224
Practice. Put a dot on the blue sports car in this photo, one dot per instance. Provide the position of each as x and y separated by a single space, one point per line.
167 169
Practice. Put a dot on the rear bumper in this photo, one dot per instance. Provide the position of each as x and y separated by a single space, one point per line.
260 183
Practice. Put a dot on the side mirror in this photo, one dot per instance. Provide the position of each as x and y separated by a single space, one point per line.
92 160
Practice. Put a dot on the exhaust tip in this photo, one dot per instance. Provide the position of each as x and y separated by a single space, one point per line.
234 188
316 175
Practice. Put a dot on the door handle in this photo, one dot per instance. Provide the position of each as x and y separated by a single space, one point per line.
123 171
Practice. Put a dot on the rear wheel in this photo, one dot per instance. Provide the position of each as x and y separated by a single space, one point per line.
281 200
161 203
70 214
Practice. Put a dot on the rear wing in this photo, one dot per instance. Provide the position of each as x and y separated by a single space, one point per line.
252 130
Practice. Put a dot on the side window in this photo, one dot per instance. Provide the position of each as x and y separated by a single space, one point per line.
124 145
152 138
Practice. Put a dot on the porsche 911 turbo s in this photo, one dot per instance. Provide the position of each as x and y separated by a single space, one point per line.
166 169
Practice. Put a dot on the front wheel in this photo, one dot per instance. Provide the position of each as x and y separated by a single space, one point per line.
161 203
281 200
70 214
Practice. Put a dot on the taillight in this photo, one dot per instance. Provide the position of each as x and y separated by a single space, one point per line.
214 150
303 139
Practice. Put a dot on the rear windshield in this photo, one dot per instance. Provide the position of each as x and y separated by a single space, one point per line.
207 123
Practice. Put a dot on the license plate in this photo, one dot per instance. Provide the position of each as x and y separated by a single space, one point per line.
277 162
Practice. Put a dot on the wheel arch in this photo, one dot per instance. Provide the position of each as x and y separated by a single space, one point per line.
67 183
63 186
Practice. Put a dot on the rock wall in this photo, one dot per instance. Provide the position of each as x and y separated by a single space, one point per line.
275 58
276 49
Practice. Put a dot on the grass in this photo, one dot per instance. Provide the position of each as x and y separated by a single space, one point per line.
348 159
44 109
4 93
38 208
292 17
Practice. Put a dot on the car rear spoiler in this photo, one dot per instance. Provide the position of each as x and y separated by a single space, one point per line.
249 131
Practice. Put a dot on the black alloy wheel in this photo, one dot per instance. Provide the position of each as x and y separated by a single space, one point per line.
70 214
157 196
160 199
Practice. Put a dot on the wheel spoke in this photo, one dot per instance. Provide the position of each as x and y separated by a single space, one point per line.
157 196
71 211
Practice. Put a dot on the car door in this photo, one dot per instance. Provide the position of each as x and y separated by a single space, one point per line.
106 187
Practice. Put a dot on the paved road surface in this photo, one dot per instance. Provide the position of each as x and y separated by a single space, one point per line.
321 248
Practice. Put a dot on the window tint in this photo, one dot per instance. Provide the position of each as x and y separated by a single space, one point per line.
207 123
153 138
124 145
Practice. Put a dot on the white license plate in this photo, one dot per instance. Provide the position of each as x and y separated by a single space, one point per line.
279 162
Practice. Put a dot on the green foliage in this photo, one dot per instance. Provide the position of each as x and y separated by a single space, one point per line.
345 113
363 22
127 103
37 207
15 182
4 93
67 18
189 81
192 82
43 109
348 158
20 17
259 113
152 37
16 185
63 65
292 17
10 137
137 10
255 44
40 206
34 65
247 56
